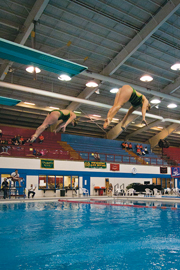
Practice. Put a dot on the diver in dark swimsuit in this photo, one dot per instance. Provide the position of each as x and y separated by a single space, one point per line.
63 117
125 94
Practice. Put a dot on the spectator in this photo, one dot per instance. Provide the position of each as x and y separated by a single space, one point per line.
31 190
18 138
123 145
15 177
137 146
34 152
41 138
143 152
130 146
21 140
15 141
141 147
146 150
0 133
97 156
5 188
138 151
110 189
9 142
126 145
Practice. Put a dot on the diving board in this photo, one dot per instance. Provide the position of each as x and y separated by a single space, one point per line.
27 56
8 101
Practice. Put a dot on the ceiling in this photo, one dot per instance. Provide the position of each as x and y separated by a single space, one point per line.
112 38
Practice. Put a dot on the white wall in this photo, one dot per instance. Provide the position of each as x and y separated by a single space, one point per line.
27 163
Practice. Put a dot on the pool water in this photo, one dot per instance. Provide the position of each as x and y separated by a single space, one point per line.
55 235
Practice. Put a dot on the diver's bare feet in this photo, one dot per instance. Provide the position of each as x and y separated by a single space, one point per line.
144 122
106 123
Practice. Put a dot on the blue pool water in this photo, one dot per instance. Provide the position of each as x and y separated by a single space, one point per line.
46 235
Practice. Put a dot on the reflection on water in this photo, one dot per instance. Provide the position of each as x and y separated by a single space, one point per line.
49 235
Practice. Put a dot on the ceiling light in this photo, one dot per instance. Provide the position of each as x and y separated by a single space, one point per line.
146 78
160 127
115 119
157 106
29 103
64 77
155 101
77 112
91 84
54 108
176 66
133 122
30 69
172 106
96 115
114 90
97 92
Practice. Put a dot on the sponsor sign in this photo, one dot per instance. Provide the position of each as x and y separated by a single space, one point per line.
175 172
114 167
94 164
163 169
47 163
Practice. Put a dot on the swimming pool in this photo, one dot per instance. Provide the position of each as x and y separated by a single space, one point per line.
55 235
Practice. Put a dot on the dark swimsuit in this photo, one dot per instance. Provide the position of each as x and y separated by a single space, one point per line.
62 116
135 100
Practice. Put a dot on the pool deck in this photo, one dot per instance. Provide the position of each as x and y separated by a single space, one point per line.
98 198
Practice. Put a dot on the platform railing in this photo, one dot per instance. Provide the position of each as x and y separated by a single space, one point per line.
26 151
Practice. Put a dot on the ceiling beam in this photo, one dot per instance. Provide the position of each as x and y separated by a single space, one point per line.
117 130
162 135
156 21
25 31
161 16
131 135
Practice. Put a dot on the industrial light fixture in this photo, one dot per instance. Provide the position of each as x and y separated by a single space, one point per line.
77 112
32 69
115 120
160 127
54 108
176 66
97 92
96 115
155 101
172 106
157 106
64 77
133 122
91 84
146 78
114 90
29 103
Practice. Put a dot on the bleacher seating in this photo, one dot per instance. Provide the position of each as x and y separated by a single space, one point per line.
173 153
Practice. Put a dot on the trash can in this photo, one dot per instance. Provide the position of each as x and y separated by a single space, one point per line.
62 192
100 192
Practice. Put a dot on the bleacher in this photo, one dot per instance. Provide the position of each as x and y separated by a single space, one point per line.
80 148
109 150
173 153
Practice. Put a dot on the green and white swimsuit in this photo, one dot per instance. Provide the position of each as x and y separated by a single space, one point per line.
62 116
135 100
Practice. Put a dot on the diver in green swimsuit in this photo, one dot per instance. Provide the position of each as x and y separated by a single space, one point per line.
125 94
62 118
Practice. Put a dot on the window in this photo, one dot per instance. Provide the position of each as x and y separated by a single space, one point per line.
51 181
59 182
154 181
158 181
75 181
67 182
42 181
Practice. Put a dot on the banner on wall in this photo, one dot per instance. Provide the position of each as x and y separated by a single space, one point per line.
114 167
47 163
163 169
175 172
94 164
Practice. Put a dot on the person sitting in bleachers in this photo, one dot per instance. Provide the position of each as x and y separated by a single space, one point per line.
146 150
137 146
21 140
130 146
138 151
126 145
143 152
41 138
97 156
141 147
123 145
